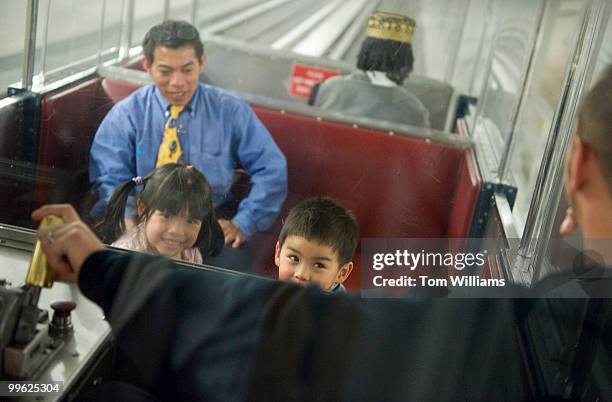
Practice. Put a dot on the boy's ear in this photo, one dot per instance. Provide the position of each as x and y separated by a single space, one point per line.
277 254
344 272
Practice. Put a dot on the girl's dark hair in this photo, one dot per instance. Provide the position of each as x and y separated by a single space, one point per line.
171 188
390 56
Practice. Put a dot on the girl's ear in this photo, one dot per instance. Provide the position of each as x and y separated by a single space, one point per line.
344 272
140 208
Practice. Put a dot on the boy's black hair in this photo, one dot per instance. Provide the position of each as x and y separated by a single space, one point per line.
323 220
172 34
389 56
171 188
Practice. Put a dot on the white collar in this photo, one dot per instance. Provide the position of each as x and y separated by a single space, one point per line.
380 79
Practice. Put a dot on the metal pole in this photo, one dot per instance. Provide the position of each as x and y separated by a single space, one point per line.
489 62
45 44
194 12
166 9
452 63
101 36
30 44
525 84
126 38
485 30
548 188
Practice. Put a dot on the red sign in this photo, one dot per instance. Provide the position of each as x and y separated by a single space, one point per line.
304 77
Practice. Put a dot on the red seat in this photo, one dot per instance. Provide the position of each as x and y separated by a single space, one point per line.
69 119
397 186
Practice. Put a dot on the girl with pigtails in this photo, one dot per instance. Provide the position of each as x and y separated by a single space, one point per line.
175 215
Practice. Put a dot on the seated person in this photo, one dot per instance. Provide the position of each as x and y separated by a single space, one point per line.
375 90
175 215
179 119
316 244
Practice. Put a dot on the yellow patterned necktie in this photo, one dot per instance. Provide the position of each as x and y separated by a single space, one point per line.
170 147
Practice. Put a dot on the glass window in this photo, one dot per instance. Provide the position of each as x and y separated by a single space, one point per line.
69 35
605 53
478 33
67 41
112 29
12 32
146 14
181 10
559 30
306 42
512 44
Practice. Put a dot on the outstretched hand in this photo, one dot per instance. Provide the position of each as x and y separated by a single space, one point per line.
66 246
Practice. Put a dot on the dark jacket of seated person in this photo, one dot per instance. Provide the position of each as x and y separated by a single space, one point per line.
194 334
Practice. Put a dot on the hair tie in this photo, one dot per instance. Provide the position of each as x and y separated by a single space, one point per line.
137 180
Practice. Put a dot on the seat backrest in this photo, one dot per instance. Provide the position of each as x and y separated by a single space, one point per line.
69 120
231 67
397 186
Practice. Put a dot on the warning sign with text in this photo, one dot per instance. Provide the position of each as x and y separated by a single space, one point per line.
304 77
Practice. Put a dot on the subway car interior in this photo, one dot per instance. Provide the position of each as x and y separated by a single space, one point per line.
501 83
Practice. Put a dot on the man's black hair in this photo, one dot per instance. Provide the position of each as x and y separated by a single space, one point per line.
172 34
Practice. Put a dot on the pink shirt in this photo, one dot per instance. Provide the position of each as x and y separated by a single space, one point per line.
135 239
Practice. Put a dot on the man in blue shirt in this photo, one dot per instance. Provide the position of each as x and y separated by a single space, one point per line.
216 131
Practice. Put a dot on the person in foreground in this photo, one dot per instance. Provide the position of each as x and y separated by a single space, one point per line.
588 170
316 244
191 334
570 316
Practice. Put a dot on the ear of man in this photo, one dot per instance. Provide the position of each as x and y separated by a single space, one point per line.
145 64
202 61
580 157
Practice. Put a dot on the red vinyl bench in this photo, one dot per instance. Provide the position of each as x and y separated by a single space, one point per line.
397 186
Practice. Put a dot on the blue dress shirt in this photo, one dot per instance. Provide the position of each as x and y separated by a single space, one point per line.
217 130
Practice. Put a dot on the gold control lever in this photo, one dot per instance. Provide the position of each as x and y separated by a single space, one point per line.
39 274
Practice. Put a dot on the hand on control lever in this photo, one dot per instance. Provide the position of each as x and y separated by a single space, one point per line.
66 246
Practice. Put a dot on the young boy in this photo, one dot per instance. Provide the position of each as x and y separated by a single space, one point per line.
316 244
